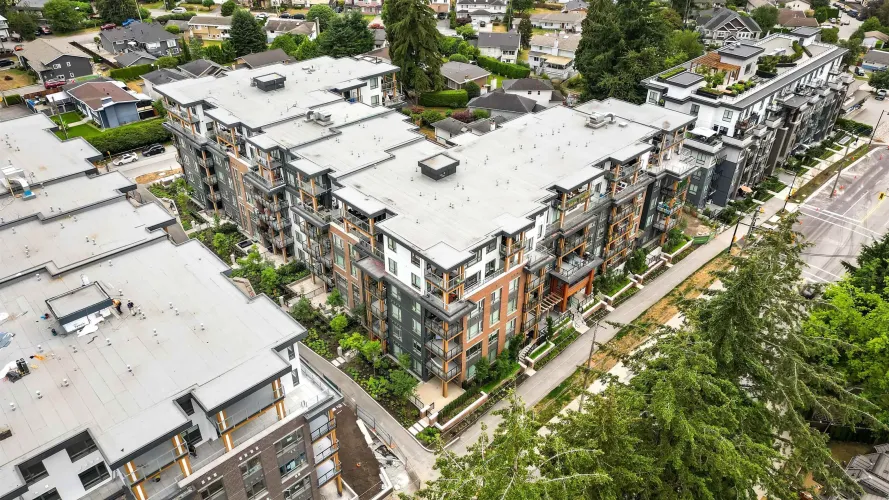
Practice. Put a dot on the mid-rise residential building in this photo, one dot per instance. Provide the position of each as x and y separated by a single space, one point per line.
134 367
779 95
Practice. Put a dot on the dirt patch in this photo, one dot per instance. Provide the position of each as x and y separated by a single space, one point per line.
694 226
134 86
361 470
153 176
18 79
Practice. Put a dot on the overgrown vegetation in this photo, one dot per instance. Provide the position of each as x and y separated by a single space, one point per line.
180 192
264 277
131 136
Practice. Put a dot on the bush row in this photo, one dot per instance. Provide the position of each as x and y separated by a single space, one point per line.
445 98
131 73
185 16
502 68
857 128
129 137
461 403
12 99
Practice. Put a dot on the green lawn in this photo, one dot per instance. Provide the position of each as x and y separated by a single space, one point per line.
537 352
69 117
208 43
85 130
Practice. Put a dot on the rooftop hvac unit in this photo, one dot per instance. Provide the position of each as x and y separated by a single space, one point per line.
14 179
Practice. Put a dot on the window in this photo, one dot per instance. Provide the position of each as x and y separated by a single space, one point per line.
510 327
694 109
493 345
298 488
49 495
727 115
393 267
692 189
415 326
652 97
56 66
374 100
82 447
396 313
94 475
475 259
475 320
374 82
415 259
353 270
491 247
294 377
255 489
33 472
529 92
68 64
474 351
340 260
291 352
391 243
214 491
494 317
415 306
514 284
295 463
395 293
495 297
415 281
511 305
71 74
337 241
396 330
418 349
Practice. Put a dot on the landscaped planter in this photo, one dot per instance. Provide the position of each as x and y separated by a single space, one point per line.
539 353
456 419
641 278
670 256
765 74
610 300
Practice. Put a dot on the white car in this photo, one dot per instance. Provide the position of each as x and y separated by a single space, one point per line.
127 158
178 10
262 15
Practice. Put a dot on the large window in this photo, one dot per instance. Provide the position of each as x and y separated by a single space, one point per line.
213 491
393 267
415 281
94 475
49 495
284 444
33 472
396 313
295 463
296 489
254 482
83 447
727 115
416 326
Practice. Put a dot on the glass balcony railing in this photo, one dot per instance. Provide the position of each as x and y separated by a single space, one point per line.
436 346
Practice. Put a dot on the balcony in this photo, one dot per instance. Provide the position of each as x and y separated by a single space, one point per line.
273 206
359 222
214 196
435 365
667 209
263 160
312 189
436 346
209 180
318 218
576 216
437 328
440 282
510 250
666 225
282 244
281 225
271 185
320 428
365 247
183 115
712 145
378 310
327 476
324 449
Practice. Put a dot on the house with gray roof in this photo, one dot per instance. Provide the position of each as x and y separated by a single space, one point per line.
201 67
721 26
276 26
160 77
146 37
875 60
134 58
457 74
261 59
105 103
501 46
553 54
559 21
538 89
575 6
505 105
55 61
871 472
450 127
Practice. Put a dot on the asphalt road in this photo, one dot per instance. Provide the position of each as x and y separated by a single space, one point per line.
838 226
869 114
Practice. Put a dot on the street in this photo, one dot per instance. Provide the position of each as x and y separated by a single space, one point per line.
869 114
837 227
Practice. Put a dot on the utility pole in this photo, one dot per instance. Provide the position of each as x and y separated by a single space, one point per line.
735 233
786 199
874 132
753 221
837 180
586 373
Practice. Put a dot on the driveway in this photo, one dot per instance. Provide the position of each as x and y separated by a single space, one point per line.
869 113
847 30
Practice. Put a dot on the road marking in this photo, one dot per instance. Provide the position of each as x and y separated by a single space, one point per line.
873 209
823 270
866 193
842 218
816 277
847 228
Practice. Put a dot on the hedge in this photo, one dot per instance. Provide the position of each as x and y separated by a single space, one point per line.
13 99
504 69
856 128
446 98
129 137
178 17
459 404
131 72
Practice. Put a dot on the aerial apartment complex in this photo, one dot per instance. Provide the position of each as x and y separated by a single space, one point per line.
122 377
760 114
449 251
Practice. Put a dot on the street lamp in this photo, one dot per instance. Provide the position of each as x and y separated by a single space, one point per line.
787 198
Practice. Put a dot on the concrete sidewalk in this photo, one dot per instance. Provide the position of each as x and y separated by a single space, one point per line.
538 386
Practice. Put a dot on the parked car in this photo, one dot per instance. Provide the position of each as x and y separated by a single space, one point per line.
482 24
129 22
38 32
881 94
262 15
284 15
53 84
127 158
19 47
45 30
179 10
859 71
442 15
298 16
154 149
6 63
109 26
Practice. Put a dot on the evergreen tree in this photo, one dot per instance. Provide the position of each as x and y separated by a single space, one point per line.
347 36
22 23
286 42
323 15
117 11
308 50
526 31
228 8
246 36
413 46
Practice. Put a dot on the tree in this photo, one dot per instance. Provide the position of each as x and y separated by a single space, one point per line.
522 5
167 62
228 8
879 80
117 11
672 18
684 45
172 28
22 23
402 384
507 17
169 4
62 16
621 43
353 342
766 16
223 244
303 311
208 3
472 89
853 50
195 48
637 262
288 43
525 32
308 49
269 281
452 16
346 36
413 43
246 36
871 24
161 112
371 350
458 58
335 299
323 14
339 323
466 31
830 35
467 49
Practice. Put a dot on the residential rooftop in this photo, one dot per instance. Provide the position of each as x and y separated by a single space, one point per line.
307 85
645 114
23 144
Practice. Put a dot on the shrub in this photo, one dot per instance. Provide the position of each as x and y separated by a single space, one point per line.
131 73
228 8
472 89
445 98
429 435
12 99
431 116
479 114
173 29
458 58
502 68
459 404
129 137
185 16
464 116
208 3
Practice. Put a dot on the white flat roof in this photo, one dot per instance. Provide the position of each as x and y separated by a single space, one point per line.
23 144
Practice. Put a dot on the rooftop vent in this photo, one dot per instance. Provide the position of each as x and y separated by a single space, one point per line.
14 180
438 167
269 82
599 120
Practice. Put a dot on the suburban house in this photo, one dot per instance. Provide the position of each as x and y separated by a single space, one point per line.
755 4
366 7
553 54
871 38
4 28
380 40
561 21
449 128
721 26
134 58
34 7
871 472
504 105
107 104
538 89
576 6
789 18
501 46
275 27
210 27
875 60
159 77
58 61
481 10
180 24
380 54
440 6
457 74
146 37
260 59
201 67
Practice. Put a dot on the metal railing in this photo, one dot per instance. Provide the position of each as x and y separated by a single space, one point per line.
332 473
327 452
667 209
278 243
362 224
323 430
211 180
313 190
378 310
570 267
366 246
445 375
439 281
440 352
276 182
438 328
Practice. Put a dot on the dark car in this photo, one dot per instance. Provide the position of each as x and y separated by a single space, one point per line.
442 15
109 26
284 15
298 16
6 62
154 149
